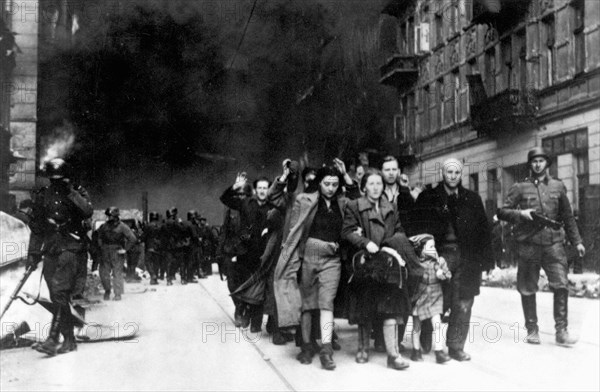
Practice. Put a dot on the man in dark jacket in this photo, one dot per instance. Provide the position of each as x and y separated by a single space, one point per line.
58 235
539 244
455 216
152 237
253 221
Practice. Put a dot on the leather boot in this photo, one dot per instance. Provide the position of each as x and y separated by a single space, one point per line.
306 354
107 295
326 357
530 312
390 338
50 346
441 356
561 298
416 355
69 344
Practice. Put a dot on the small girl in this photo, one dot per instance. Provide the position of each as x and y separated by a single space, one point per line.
428 300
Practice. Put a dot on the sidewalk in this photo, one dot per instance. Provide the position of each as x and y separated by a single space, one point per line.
187 342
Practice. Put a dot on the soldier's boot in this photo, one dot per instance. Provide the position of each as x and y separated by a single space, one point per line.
107 295
561 298
50 346
69 344
530 312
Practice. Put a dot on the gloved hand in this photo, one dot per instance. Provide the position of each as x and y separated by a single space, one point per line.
33 261
121 251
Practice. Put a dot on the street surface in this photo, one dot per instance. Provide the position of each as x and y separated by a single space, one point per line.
187 342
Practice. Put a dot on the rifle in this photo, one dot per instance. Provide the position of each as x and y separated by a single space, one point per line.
17 289
544 221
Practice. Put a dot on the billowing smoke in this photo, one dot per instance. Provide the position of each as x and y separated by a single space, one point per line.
58 144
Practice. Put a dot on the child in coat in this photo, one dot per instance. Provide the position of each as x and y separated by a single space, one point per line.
428 300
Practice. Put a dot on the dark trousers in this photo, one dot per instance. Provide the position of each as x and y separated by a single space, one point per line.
456 299
153 263
61 272
458 325
81 280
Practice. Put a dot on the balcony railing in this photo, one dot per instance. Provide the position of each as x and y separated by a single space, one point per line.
507 112
400 71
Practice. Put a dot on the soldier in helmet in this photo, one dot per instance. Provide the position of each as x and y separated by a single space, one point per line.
194 253
208 243
59 236
115 239
179 240
152 239
540 241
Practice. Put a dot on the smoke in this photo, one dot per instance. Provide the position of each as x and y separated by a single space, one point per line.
58 144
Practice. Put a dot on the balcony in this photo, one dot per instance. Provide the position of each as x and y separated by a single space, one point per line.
400 71
505 113
502 12
398 8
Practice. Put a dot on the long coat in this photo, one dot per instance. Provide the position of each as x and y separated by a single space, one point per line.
384 229
432 215
285 285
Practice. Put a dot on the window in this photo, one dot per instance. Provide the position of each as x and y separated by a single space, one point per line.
425 107
490 72
474 182
439 37
507 65
550 55
578 35
410 33
456 95
403 39
441 101
521 52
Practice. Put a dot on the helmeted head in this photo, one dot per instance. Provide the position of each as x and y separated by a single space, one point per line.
538 160
56 169
192 214
172 212
112 213
153 216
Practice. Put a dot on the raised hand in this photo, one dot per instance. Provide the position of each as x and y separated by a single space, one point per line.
240 181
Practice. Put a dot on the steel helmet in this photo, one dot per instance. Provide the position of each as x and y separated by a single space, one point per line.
171 212
192 214
112 211
56 169
538 152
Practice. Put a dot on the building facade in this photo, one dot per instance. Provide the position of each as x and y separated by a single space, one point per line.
487 80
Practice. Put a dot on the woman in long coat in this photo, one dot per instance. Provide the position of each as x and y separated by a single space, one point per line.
372 223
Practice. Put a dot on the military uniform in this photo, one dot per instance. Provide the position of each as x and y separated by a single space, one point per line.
58 235
152 238
179 238
115 239
540 246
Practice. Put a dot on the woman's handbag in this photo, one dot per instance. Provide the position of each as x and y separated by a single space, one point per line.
377 268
